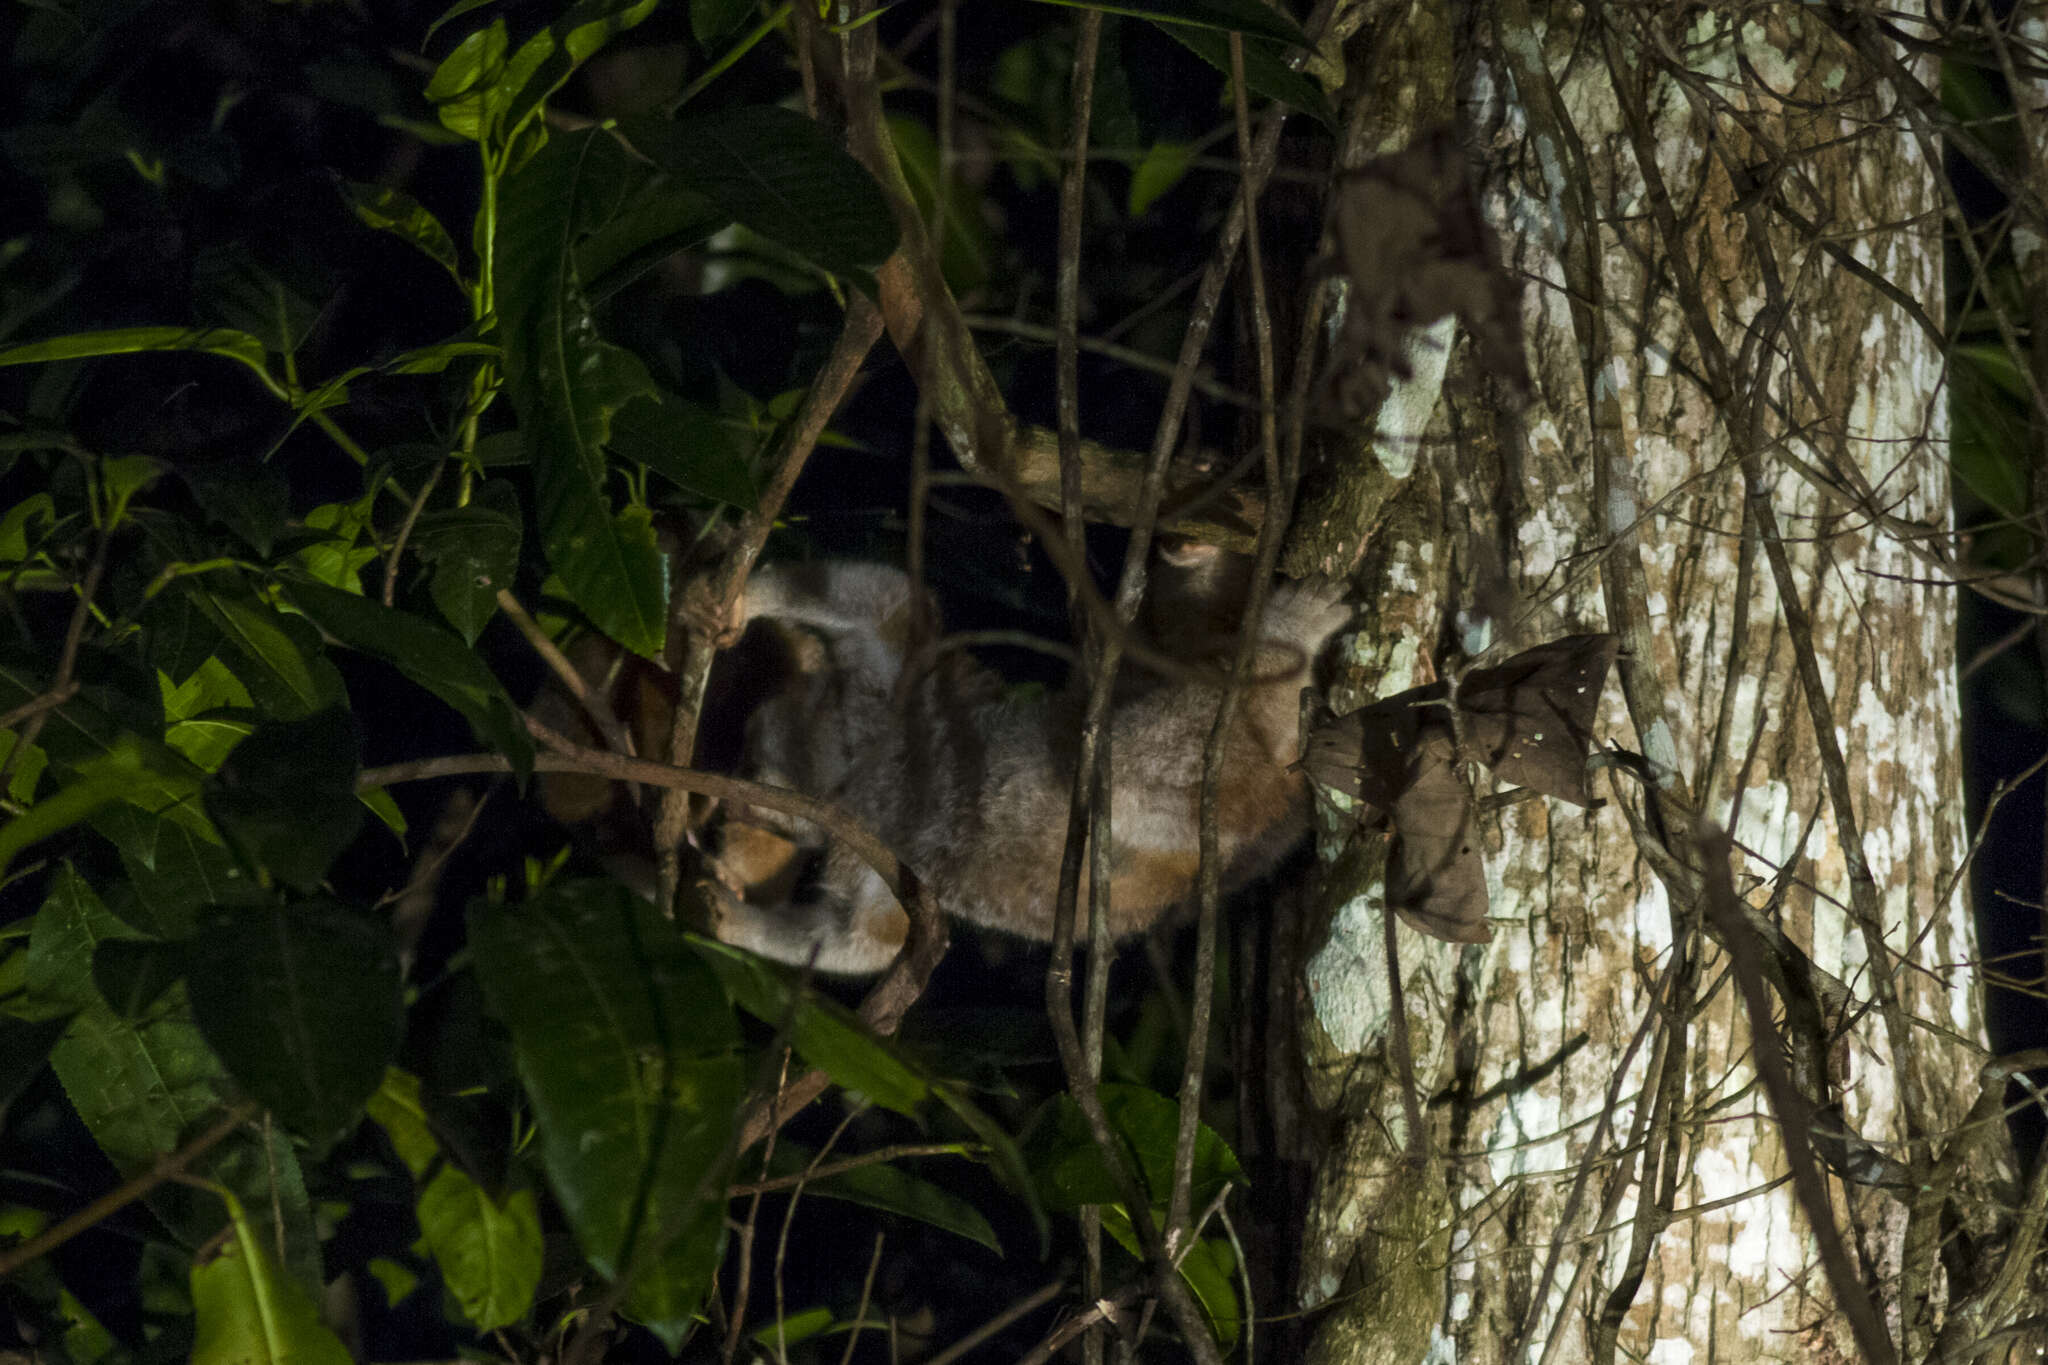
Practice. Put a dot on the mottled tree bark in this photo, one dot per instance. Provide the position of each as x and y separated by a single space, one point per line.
1729 232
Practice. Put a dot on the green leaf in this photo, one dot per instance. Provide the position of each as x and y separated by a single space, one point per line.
1164 165
891 1189
465 86
489 1252
1069 1168
1207 1268
398 213
379 803
780 174
396 1108
1991 446
175 863
250 1313
475 553
144 1088
964 245
237 291
280 663
547 59
302 1004
685 444
24 1049
796 1327
1266 70
631 1057
133 974
824 1033
567 384
662 219
285 798
253 501
449 16
98 782
220 341
1250 17
711 20
427 654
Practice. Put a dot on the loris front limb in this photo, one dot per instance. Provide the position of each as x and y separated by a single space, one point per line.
971 785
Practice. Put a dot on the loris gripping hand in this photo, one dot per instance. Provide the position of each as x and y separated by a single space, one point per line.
971 784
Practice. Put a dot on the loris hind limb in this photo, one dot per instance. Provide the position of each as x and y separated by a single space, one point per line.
971 784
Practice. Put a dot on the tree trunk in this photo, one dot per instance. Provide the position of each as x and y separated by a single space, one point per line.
1733 454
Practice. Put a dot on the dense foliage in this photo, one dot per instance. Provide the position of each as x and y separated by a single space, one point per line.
355 353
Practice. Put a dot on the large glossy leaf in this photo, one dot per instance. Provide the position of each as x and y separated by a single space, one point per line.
475 553
567 384
99 781
1266 70
780 174
250 1313
286 796
176 862
302 1004
631 1056
1251 17
427 654
1069 1167
144 1087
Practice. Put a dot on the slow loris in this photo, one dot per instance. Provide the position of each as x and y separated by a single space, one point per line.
971 784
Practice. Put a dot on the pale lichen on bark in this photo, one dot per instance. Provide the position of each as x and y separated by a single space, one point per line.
1583 927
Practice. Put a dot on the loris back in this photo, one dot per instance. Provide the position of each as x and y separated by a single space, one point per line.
971 783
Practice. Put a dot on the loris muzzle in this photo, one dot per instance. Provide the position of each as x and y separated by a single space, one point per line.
969 782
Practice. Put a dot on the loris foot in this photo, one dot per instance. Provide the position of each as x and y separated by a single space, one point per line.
1307 612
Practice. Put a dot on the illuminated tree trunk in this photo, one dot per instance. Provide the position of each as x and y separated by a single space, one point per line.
1728 231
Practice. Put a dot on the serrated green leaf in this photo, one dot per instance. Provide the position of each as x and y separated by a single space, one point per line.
567 384
427 654
631 1057
1266 70
781 175
398 213
302 1004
